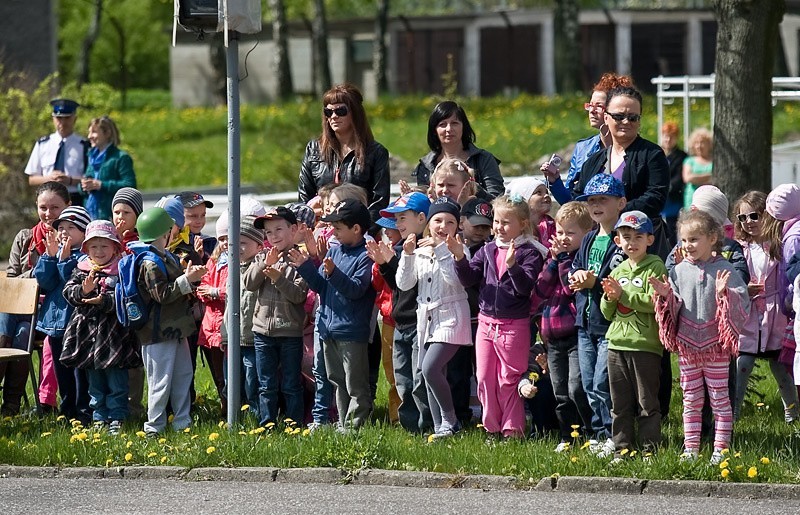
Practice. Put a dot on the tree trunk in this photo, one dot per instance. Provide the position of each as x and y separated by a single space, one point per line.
84 58
567 45
319 36
742 90
280 33
123 67
379 48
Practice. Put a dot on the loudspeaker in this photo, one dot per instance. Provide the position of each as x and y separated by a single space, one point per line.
198 14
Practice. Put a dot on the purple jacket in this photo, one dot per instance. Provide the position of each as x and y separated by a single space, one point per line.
508 296
558 313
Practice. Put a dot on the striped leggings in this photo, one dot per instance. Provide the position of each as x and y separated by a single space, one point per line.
714 374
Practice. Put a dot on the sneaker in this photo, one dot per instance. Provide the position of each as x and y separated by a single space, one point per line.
563 446
314 426
594 446
717 457
689 456
616 461
115 427
151 435
98 425
607 449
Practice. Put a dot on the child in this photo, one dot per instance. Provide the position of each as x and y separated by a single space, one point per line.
164 347
762 337
410 214
701 310
442 303
94 340
52 271
194 212
346 302
29 244
506 270
452 178
597 257
476 223
634 350
126 207
278 319
536 193
557 324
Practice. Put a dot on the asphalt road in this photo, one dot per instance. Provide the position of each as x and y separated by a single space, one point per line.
170 496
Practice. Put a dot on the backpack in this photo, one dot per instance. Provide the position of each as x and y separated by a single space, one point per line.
132 310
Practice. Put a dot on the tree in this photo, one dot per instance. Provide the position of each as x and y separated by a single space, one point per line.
280 34
88 43
379 49
743 114
319 36
567 45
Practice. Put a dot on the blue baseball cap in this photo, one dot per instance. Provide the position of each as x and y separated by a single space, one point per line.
414 201
174 207
63 107
636 220
603 184
387 223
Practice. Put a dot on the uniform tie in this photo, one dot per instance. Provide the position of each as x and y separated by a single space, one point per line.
59 164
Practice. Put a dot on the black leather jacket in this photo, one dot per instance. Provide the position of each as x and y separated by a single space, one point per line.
486 166
373 176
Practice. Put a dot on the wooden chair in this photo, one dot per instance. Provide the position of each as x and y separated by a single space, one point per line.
21 297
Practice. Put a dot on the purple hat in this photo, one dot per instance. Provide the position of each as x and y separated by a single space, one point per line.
602 184
636 220
101 229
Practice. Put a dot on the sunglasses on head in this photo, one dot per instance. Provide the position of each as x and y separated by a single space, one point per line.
753 217
340 111
618 117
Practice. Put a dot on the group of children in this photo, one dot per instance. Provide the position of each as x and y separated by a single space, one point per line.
569 314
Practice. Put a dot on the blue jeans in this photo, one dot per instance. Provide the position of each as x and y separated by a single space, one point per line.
18 327
108 389
323 389
272 353
249 377
414 412
593 359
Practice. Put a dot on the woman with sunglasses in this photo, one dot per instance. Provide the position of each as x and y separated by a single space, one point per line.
450 135
594 108
346 151
640 164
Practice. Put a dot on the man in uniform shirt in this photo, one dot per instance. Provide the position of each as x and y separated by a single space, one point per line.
61 156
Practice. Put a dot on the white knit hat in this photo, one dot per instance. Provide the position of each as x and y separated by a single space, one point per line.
711 200
524 186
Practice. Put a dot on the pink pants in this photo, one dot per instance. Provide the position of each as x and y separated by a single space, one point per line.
48 384
501 357
714 374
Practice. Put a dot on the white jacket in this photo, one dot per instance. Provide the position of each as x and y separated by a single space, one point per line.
442 308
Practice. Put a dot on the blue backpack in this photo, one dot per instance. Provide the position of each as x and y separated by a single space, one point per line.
132 310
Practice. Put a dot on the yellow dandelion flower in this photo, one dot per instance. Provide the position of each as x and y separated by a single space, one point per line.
45 434
739 467
533 377
75 422
752 472
243 433
289 422
586 444
162 440
479 426
152 454
213 436
141 434
575 426
270 425
431 438
725 473
109 461
623 452
258 430
211 450
759 404
574 459
306 432
296 431
724 451
60 418
128 457
194 436
96 436
81 436
724 464
574 434
633 453
72 439
764 460
737 455
221 424
287 430
171 418
187 430
245 407
129 444
163 459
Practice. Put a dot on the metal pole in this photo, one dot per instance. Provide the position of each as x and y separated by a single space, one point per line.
234 179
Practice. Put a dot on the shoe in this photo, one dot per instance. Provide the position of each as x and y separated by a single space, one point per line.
594 446
314 426
689 456
151 435
492 439
445 432
717 457
115 427
616 461
563 446
607 449
98 425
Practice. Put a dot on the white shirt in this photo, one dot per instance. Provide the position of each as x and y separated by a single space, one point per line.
43 156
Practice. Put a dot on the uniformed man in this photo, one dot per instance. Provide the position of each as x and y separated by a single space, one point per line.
61 156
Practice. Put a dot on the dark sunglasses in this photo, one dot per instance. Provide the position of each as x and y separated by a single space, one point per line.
752 216
340 111
618 117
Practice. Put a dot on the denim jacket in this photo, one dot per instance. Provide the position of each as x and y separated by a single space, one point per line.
52 276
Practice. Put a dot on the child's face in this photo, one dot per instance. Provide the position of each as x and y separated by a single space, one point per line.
393 235
222 243
605 209
569 234
68 229
347 235
49 205
448 185
248 248
410 222
474 234
745 218
280 233
540 202
101 250
442 225
124 217
327 206
508 225
697 244
633 243
195 218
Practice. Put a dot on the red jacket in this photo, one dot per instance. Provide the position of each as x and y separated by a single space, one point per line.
217 277
384 296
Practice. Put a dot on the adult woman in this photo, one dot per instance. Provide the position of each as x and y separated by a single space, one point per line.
640 164
108 170
346 151
450 135
675 157
595 108
697 167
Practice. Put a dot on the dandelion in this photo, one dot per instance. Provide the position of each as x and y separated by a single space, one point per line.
725 473
574 459
533 377
431 438
623 452
129 444
211 450
759 405
574 434
764 460
61 418
187 430
752 472
737 455
724 464
163 459
128 457
152 454
245 407
81 436
221 424
162 440
296 431
739 468
243 433
288 430
171 418
45 434
109 461
213 436
289 422
633 453
306 432
257 430
575 426
724 451
75 422
96 436
270 425
479 426
586 444
194 436
141 434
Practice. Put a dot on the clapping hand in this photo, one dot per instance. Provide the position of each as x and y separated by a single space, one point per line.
611 288
51 243
582 279
198 245
379 252
722 281
455 245
511 257
404 187
661 287
90 282
410 244
195 272
297 257
329 266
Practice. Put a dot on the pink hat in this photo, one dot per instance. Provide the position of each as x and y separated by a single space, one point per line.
783 203
101 229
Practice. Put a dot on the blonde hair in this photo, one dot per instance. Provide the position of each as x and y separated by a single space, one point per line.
450 166
348 190
577 212
701 134
517 205
107 125
702 222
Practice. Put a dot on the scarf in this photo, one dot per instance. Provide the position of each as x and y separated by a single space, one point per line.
38 234
96 160
183 236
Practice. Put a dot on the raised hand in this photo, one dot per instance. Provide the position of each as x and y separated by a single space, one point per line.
549 170
582 279
555 247
297 257
455 245
273 256
328 266
198 245
322 246
511 257
677 255
661 287
374 251
469 189
51 243
311 244
611 288
722 281
429 241
195 272
410 244
90 282
404 187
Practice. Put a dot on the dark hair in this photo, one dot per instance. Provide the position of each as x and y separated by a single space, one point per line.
758 201
350 96
54 187
443 111
624 91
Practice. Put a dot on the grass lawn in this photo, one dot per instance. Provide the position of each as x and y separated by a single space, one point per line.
765 448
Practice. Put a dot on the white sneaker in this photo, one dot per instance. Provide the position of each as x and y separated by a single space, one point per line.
717 457
115 427
616 461
594 446
689 455
563 446
607 449
314 426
